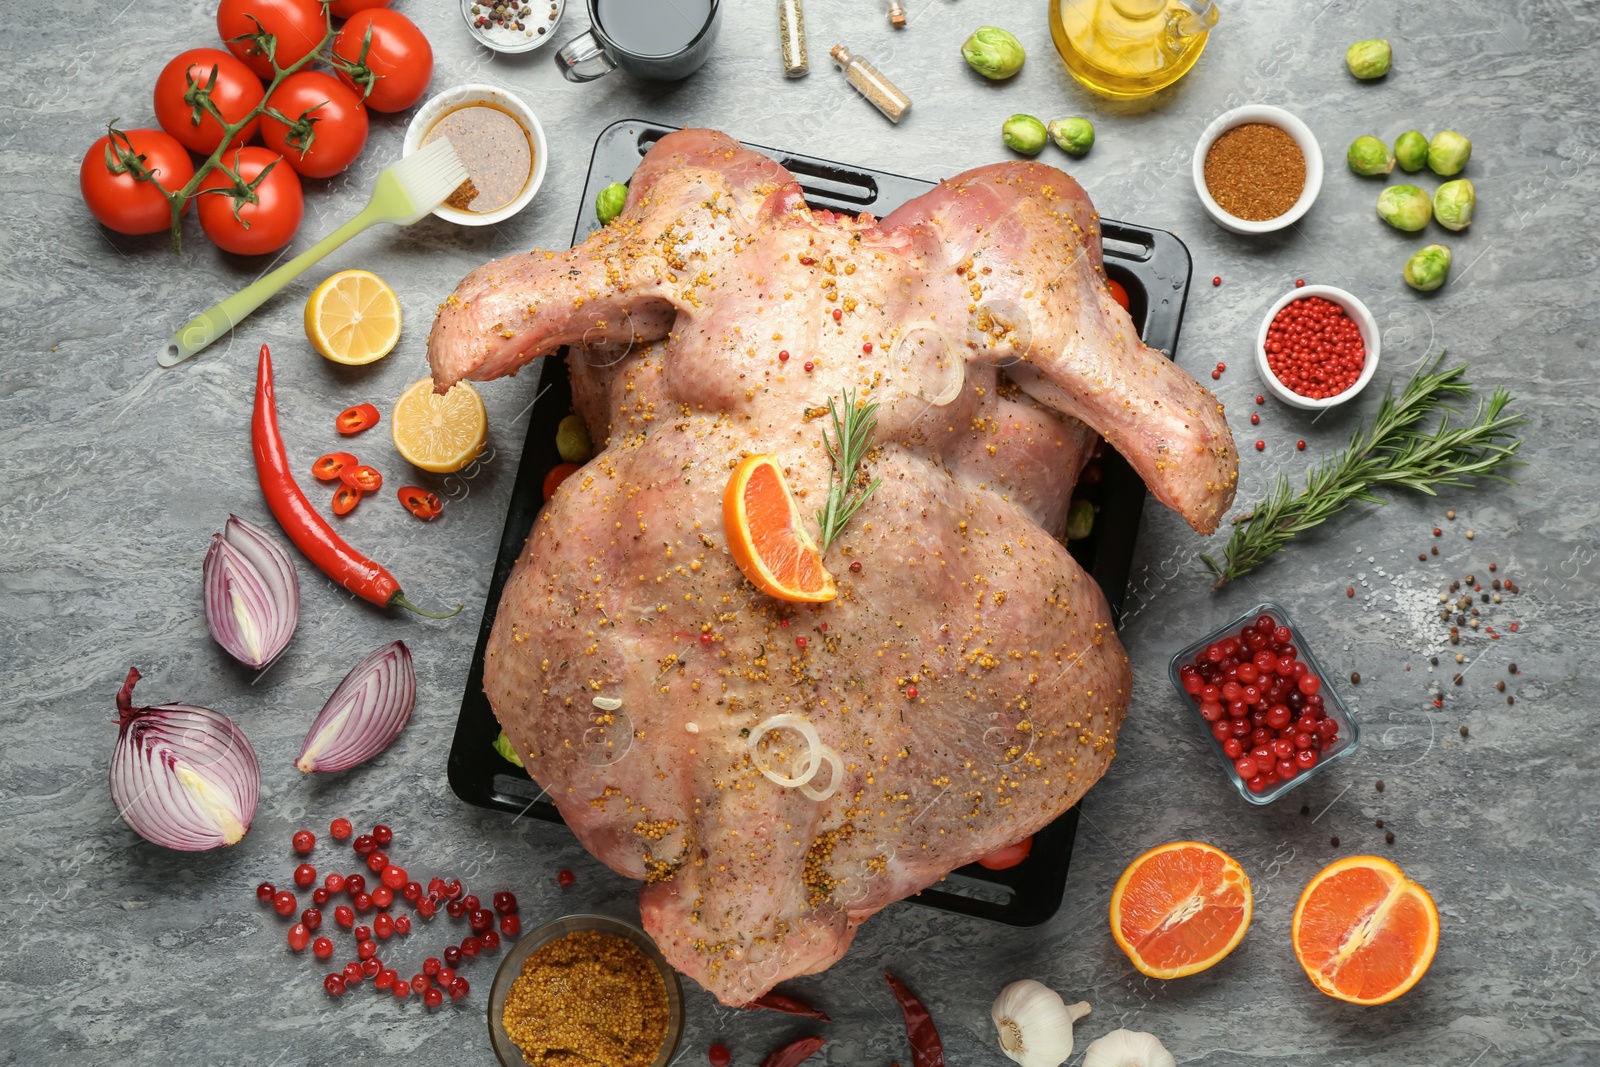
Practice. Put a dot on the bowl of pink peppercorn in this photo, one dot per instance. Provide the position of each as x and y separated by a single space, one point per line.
1318 347
1265 703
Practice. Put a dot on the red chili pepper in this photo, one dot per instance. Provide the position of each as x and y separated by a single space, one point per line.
345 499
354 420
794 1053
557 475
789 1006
420 502
926 1048
1118 293
308 530
1007 857
328 467
365 478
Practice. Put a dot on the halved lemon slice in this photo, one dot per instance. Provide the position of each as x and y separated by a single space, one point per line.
441 434
1180 908
768 538
1363 931
353 318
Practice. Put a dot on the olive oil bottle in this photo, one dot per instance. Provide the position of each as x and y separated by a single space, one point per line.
1130 48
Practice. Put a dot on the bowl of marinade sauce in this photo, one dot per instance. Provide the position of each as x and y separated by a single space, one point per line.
499 141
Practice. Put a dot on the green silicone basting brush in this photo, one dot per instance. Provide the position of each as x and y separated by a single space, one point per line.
404 193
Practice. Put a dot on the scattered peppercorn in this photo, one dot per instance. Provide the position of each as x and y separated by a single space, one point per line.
1255 419
855 566
1261 446
1355 677
1511 700
1380 824
1433 660
1463 730
1494 566
1334 841
1457 679
1379 785
1299 283
800 641
1300 445
1260 399
1221 365
1305 809
1215 375
1437 532
1350 591
911 692
1450 515
1511 668
837 314
783 356
1388 838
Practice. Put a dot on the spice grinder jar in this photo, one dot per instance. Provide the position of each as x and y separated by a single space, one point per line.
1271 116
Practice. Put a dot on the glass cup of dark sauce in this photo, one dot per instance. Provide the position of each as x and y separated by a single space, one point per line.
659 40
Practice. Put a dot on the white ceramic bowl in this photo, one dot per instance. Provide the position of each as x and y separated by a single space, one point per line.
1273 116
1369 337
460 95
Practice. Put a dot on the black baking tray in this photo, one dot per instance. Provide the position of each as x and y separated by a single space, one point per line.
1153 266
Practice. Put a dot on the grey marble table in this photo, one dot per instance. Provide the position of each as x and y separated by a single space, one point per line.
115 473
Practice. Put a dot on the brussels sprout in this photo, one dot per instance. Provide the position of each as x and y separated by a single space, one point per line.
993 52
1426 269
1448 152
1025 134
1453 203
1368 59
1369 156
1074 136
608 202
1405 207
502 745
1080 520
1411 151
572 440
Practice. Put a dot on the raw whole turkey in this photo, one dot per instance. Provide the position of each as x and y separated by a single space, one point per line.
967 674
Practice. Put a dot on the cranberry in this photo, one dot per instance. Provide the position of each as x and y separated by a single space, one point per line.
1303 739
265 892
433 998
322 948
420 984
460 987
1239 728
312 918
1245 768
1309 684
334 984
1278 716
471 903
489 940
371 968
305 875
1222 729
505 902
304 841
564 879
320 896
1193 683
383 925
452 956
367 949
510 925
481 919
283 902
452 888
344 916
402 924
299 937
385 979
364 844
352 972
445 977
1211 711
411 891
376 862
382 897
340 829
393 877
455 909
355 883
1305 758
430 966
436 887
1328 729
362 933
427 907
362 901
382 835
402 990
1256 784
1285 769
470 947
1233 748
334 883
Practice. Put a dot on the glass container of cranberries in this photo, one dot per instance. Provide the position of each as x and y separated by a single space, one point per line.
1265 703
511 967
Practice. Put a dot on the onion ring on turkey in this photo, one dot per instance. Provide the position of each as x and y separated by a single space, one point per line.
797 723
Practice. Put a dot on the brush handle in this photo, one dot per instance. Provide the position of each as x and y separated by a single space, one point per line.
217 320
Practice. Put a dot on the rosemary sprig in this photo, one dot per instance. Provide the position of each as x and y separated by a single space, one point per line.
852 436
1393 452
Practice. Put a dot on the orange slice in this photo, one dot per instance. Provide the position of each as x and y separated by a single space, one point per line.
1363 931
1180 908
767 537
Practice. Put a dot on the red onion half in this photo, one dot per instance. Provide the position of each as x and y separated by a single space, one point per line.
365 714
252 593
181 776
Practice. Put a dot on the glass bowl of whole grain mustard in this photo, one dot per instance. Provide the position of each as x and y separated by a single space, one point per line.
1257 169
585 991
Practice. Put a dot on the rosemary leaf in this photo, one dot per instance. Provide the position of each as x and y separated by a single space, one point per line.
1393 452
852 437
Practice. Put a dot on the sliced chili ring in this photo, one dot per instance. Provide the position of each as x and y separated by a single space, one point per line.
354 420
557 475
420 502
345 499
362 477
327 468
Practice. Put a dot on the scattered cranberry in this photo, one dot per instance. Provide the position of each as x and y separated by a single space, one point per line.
481 919
362 933
855 566
376 862
411 891
312 918
402 924
334 984
433 998
1255 419
1300 445
445 977
353 973
505 902
455 909
427 907
299 937
367 949
452 956
344 916
364 844
265 892
322 948
1314 348
460 987
1261 446
471 902
283 902
510 925
305 875
1216 280
304 841
371 968
355 883
430 966
385 979
362 901
452 888
490 941
320 896
382 835
470 947
383 925
565 878
394 877
382 896
340 829
420 984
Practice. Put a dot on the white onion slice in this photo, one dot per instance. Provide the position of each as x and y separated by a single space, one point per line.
831 758
799 724
183 777
365 714
252 594
933 358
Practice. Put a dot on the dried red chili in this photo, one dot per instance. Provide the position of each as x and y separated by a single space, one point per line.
926 1048
794 1053
789 1006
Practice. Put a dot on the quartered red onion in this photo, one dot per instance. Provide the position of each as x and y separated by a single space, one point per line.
183 777
252 593
365 714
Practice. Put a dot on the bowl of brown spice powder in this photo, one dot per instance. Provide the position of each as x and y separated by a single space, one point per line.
1257 169
585 991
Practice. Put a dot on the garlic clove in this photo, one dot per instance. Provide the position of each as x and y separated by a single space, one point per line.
1127 1048
1035 1024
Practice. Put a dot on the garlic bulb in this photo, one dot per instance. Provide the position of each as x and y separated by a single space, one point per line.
1127 1048
1035 1024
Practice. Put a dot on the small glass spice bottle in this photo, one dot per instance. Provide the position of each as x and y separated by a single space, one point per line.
792 28
883 93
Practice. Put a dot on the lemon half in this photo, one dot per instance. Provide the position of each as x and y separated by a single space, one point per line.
437 433
353 318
